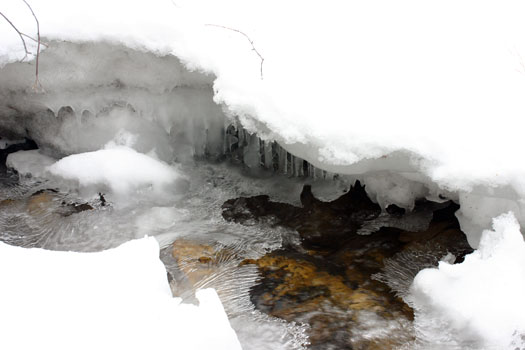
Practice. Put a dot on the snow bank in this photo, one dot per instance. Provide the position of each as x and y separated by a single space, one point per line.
119 168
371 86
119 298
479 301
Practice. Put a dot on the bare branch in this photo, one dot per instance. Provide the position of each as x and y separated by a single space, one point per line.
35 40
37 84
19 34
247 37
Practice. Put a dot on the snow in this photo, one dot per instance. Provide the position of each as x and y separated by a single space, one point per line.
479 301
119 168
371 86
118 298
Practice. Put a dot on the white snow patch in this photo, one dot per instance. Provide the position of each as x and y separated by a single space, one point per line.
479 301
119 168
119 298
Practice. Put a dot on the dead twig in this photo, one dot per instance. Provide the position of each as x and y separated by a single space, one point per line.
249 40
37 84
20 34
35 40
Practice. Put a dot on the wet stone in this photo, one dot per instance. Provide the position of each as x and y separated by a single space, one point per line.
47 201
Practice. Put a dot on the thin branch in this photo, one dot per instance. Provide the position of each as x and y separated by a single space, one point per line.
19 34
37 84
247 37
35 40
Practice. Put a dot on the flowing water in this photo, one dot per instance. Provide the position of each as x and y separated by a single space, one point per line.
36 213
201 249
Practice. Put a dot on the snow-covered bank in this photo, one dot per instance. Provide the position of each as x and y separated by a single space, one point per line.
119 298
375 86
480 301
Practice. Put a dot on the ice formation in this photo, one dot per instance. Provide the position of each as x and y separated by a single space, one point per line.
365 107
111 299
418 99
29 163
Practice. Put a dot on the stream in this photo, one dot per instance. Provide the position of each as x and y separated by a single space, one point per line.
288 274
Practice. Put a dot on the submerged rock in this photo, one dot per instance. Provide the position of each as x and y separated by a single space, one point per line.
341 282
47 201
330 289
320 224
195 260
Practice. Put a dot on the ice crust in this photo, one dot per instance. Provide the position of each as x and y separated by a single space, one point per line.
118 298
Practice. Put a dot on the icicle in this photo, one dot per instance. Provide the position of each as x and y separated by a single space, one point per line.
306 168
199 139
231 140
283 160
268 155
313 172
298 167
262 154
251 153
206 143
275 156
289 164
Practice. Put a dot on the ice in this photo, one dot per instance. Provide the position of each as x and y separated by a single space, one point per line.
115 298
480 301
29 163
176 115
391 188
479 207
4 143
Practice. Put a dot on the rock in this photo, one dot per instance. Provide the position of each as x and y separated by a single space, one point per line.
40 202
326 292
46 201
193 259
320 224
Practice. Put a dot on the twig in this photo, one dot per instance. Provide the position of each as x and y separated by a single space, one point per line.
247 37
19 34
37 84
35 40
